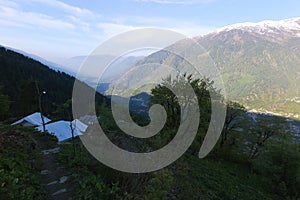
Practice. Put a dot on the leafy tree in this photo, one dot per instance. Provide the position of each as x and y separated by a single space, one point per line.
233 120
161 94
264 130
203 89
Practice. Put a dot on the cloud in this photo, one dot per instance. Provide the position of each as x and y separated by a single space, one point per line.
182 2
30 25
9 3
73 10
70 17
15 17
71 30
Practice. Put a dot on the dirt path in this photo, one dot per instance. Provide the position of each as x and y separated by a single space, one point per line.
55 177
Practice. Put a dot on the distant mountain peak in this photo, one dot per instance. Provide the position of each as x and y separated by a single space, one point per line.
289 26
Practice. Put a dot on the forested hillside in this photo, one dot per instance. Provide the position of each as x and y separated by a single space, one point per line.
22 78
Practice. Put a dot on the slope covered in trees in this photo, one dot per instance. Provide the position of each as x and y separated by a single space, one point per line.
21 79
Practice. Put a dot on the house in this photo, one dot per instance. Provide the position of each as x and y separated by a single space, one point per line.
62 129
34 119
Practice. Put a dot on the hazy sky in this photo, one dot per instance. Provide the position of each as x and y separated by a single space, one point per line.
56 29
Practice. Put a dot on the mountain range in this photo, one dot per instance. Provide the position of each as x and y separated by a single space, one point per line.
259 64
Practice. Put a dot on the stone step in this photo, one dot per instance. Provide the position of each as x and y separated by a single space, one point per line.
45 172
48 151
59 192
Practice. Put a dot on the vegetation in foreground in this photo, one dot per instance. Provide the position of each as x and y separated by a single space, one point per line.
19 164
250 161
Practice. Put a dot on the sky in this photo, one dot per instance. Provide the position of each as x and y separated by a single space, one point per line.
61 29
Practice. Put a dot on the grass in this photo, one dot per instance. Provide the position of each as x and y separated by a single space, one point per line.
216 179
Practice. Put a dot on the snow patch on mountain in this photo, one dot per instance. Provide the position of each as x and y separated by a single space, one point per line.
291 26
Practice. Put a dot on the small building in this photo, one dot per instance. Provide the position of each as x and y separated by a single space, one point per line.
62 129
34 119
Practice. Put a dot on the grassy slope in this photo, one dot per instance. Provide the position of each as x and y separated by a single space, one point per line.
217 179
192 178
